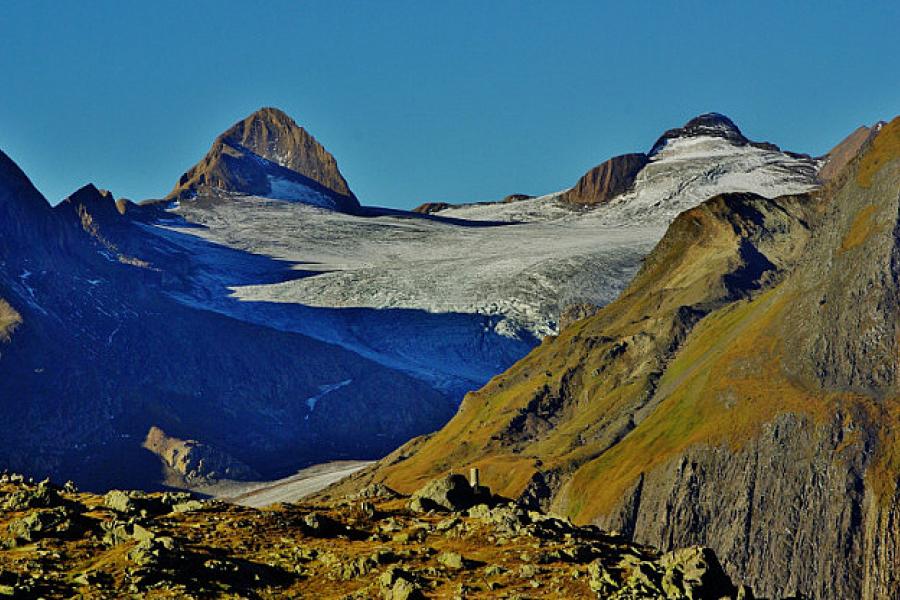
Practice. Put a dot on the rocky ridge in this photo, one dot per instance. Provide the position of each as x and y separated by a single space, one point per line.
57 541
195 462
433 207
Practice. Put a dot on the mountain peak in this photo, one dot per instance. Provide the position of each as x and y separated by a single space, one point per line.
92 199
712 120
28 227
268 154
271 115
711 124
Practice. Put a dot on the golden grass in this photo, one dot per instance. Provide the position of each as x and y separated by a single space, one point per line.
685 269
885 148
9 320
861 229
721 389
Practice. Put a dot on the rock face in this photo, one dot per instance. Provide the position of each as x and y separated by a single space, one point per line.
845 151
28 228
194 461
268 154
606 181
741 394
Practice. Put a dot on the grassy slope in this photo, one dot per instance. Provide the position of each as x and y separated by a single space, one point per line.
600 370
9 320
579 406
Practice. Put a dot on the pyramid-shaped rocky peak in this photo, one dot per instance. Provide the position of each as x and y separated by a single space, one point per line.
268 154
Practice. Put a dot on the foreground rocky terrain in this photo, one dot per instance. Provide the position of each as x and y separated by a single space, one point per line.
449 540
741 393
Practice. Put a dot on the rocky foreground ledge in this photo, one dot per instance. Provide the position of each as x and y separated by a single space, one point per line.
449 540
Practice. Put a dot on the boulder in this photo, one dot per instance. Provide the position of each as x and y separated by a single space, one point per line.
43 495
397 584
450 493
695 572
39 524
454 560
134 503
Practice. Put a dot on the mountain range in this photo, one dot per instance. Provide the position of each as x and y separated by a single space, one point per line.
727 365
740 393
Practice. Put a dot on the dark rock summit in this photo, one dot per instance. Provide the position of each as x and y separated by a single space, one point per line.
617 175
706 125
268 154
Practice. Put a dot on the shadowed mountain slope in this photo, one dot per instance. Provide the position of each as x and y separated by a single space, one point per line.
94 352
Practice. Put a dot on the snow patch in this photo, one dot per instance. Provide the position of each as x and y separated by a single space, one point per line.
284 189
324 390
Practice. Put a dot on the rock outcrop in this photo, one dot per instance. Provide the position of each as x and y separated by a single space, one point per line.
576 312
433 207
606 181
194 461
453 493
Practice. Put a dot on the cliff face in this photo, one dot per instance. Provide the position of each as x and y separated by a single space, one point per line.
741 393
844 152
606 181
28 226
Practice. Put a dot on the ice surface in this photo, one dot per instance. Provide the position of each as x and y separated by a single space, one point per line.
446 296
284 189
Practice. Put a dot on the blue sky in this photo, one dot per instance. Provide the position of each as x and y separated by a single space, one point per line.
428 101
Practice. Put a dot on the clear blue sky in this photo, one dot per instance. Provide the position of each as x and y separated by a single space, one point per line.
428 101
